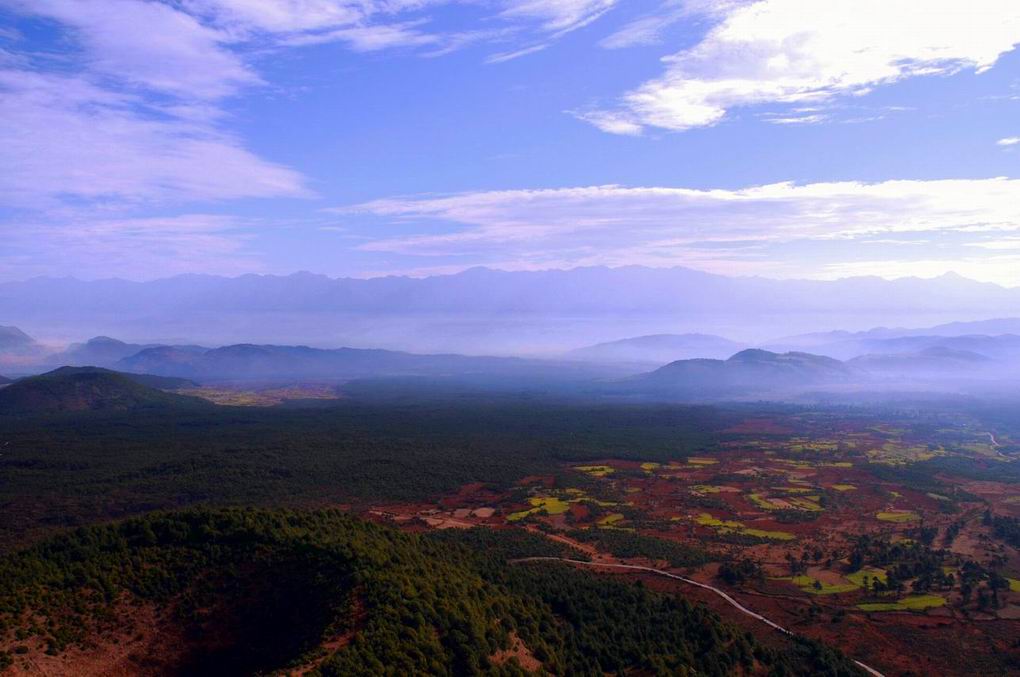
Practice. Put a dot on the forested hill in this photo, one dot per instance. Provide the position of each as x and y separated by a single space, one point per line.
252 591
91 389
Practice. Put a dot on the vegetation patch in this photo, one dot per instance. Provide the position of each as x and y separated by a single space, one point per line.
734 527
595 470
610 520
898 516
912 603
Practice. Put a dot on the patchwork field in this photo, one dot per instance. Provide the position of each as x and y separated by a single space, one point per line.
820 523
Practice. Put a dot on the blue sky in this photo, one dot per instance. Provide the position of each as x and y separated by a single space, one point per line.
784 138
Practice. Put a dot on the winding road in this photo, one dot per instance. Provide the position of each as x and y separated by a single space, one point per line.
729 599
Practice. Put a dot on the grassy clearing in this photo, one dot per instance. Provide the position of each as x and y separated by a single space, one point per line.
1014 585
815 587
772 535
844 487
809 503
734 527
595 470
912 603
898 516
611 520
857 577
854 581
694 460
705 489
550 505
649 466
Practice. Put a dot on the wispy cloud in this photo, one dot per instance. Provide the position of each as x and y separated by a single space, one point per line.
133 247
669 226
558 16
1008 141
793 51
66 139
150 45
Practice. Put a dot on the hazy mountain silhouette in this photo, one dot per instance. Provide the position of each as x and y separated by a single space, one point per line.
658 348
103 351
749 371
13 339
481 311
935 361
846 345
271 362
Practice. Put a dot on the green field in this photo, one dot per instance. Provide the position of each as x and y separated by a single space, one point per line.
912 603
898 517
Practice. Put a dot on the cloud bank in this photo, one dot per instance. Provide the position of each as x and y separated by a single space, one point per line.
778 228
789 52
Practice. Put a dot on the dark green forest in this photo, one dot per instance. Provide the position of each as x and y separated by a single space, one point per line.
277 583
74 469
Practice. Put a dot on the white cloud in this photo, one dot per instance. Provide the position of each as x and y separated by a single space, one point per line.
668 226
1008 141
151 45
558 16
794 51
613 123
370 38
65 137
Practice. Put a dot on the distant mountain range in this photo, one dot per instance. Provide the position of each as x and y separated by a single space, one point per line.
483 311
658 349
930 362
845 345
71 389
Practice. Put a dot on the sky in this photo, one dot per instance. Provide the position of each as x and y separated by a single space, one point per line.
783 138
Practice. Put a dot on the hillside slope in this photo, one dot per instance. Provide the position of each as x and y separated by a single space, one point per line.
70 389
658 348
749 371
254 591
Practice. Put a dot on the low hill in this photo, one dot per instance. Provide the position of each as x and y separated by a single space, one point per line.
89 389
658 349
103 351
4 380
259 591
749 371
